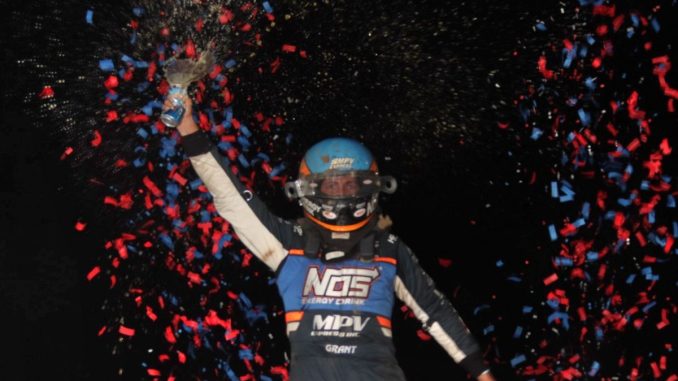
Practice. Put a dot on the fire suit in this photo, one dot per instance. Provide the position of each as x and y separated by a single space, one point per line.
337 313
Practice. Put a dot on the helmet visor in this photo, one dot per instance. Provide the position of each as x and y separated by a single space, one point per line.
340 185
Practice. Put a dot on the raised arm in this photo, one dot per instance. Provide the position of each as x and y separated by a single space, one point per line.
263 233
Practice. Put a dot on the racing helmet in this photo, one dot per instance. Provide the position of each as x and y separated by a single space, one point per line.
339 184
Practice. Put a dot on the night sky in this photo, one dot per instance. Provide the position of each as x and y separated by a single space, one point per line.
500 122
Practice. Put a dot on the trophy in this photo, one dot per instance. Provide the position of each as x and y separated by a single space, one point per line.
180 73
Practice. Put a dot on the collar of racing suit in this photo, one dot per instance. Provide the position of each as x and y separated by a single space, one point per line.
332 246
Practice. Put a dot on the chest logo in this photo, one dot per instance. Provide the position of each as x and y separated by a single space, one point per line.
339 285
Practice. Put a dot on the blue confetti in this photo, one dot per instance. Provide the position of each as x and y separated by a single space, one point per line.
168 148
246 131
148 108
590 83
244 143
195 184
670 201
570 55
140 64
563 262
267 7
517 360
277 169
127 59
246 354
480 308
245 300
635 20
142 133
584 117
592 256
562 316
172 190
649 306
230 63
89 16
586 209
518 332
552 232
166 240
106 65
594 368
554 189
113 96
536 133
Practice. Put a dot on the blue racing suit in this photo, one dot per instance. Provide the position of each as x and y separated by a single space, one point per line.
337 313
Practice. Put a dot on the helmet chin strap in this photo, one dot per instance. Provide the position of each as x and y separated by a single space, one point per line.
337 228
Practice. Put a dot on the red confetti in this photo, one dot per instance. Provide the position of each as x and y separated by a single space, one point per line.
289 48
550 279
126 331
190 49
423 335
169 335
111 116
153 372
111 82
67 152
97 139
93 273
152 187
47 92
444 262
226 16
541 65
80 226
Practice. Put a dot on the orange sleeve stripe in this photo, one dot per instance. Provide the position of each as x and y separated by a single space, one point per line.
293 316
392 261
384 322
296 252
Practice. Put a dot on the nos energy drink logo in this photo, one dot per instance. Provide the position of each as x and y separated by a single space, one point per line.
348 285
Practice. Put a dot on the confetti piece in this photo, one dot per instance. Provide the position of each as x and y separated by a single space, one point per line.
47 92
289 48
80 226
67 152
97 139
550 279
93 273
517 360
126 331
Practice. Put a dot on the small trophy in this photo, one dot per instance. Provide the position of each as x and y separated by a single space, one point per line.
180 73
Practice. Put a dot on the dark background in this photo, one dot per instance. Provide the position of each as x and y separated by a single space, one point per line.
461 196
50 312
